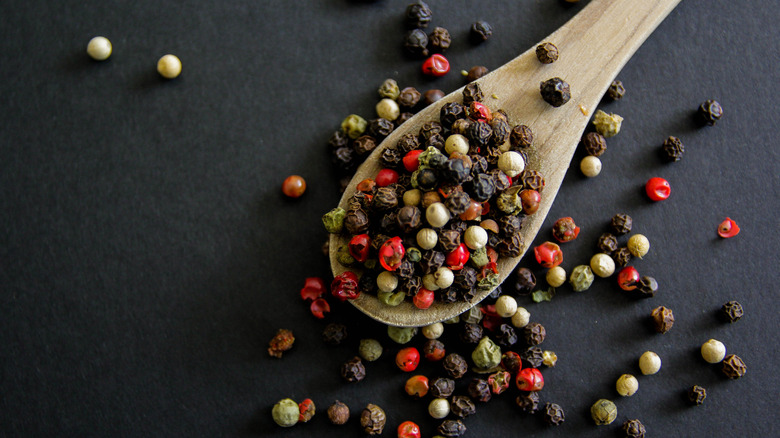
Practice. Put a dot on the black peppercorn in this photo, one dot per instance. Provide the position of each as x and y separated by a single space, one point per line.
480 32
425 179
479 133
429 129
409 218
553 414
407 143
440 39
471 333
607 243
616 90
511 246
339 139
500 179
367 282
442 387
334 333
528 402
460 126
732 311
431 261
621 256
380 128
465 278
403 117
696 395
353 370
594 144
385 198
663 319
532 180
457 170
525 280
472 93
481 188
409 97
416 43
521 137
634 429
501 132
462 406
411 285
418 15
405 269
451 112
452 428
479 390
533 357
435 140
673 149
534 333
432 95
458 203
506 335
508 225
733 366
390 158
710 112
547 53
448 296
647 286
476 72
448 239
343 158
455 365
555 91
621 224
356 221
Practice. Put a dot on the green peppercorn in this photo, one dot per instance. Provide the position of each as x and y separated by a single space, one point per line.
487 354
370 349
334 220
391 299
607 125
401 335
389 89
354 126
285 412
603 412
581 278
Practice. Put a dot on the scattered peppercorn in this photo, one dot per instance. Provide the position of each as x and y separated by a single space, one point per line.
649 363
621 224
594 144
471 333
462 406
334 333
673 149
353 370
534 333
370 349
439 39
528 402
452 428
437 65
696 395
607 243
547 53
634 429
480 31
590 166
521 318
647 286
616 90
432 95
479 390
556 276
627 385
602 265
99 48
734 367
728 228
607 125
533 357
732 311
373 419
338 413
441 387
622 256
603 412
407 359
506 335
526 281
555 91
663 319
306 410
389 89
281 342
628 278
710 112
581 278
285 413
439 408
417 386
565 230
418 15
553 414
455 365
169 66
658 189
409 97
476 72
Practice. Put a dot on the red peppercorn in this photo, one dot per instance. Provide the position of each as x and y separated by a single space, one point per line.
530 200
471 213
417 386
423 299
294 186
728 228
658 189
628 278
490 319
499 381
407 359
306 410
345 286
565 230
319 308
385 177
434 350
367 185
437 65
458 257
479 112
548 254
530 379
358 247
408 429
391 253
410 160
313 288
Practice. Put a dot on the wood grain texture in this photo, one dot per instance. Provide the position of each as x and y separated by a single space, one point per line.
594 46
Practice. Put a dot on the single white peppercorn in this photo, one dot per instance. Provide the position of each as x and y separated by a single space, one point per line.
475 237
602 265
429 282
506 306
427 238
386 281
439 408
649 363
627 385
638 245
444 277
521 318
99 48
437 215
433 331
590 166
169 66
456 143
388 109
413 197
713 351
511 163
556 276
285 413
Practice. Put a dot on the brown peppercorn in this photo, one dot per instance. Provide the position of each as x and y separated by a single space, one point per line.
407 143
696 395
416 43
442 387
532 357
373 419
380 128
521 137
608 243
553 414
526 281
364 144
409 218
509 225
409 97
281 342
710 112
452 428
343 158
385 198
528 401
532 180
471 333
733 366
634 429
439 39
500 132
547 53
647 286
356 221
732 311
673 149
511 246
663 319
433 349
451 112
621 224
334 333
479 390
462 406
455 365
480 32
418 15
506 335
534 333
339 139
555 91
621 257
353 370
616 90
476 72
338 413
461 126
432 95
594 143
403 117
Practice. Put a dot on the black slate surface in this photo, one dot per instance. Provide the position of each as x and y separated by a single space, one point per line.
147 255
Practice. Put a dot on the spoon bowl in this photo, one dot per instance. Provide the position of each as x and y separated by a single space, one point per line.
594 46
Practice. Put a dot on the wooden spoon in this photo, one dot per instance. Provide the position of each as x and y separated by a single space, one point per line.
594 46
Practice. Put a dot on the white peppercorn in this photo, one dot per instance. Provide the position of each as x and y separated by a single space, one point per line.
429 282
638 245
581 278
386 281
99 48
439 408
627 385
388 109
433 331
444 277
437 215
511 163
506 306
475 237
285 412
370 349
413 197
427 238
169 66
456 143
602 265
649 363
713 351
556 276
590 166
521 318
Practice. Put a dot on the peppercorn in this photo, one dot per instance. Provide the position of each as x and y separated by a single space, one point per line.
657 189
553 414
353 370
373 419
479 390
354 126
99 48
452 428
334 333
476 72
433 350
505 335
607 243
627 385
521 137
285 413
169 66
511 163
439 408
649 363
581 278
607 125
532 180
409 97
403 117
594 143
432 96
436 65
673 149
417 386
590 166
442 387
696 395
418 15
306 409
565 230
602 265
663 319
556 276
462 406
338 413
390 158
647 286
487 354
430 129
345 286
621 256
728 228
416 43
534 333
621 224
440 39
628 278
480 31
451 112
548 254
733 366
710 112
370 349
389 89
732 311
455 365
532 357
365 143
603 412
547 53
521 317
616 90
499 381
555 91
281 342
401 335
528 402
634 429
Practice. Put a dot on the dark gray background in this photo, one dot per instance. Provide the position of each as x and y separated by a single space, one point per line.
147 255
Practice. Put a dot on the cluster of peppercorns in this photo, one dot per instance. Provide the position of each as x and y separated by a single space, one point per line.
605 125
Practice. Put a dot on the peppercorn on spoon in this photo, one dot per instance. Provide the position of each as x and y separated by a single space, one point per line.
594 46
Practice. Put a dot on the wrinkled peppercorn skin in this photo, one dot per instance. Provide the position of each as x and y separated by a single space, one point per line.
732 311
733 367
452 428
710 112
353 370
663 319
442 387
634 429
462 406
528 402
479 390
334 333
696 395
373 419
553 414
555 91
